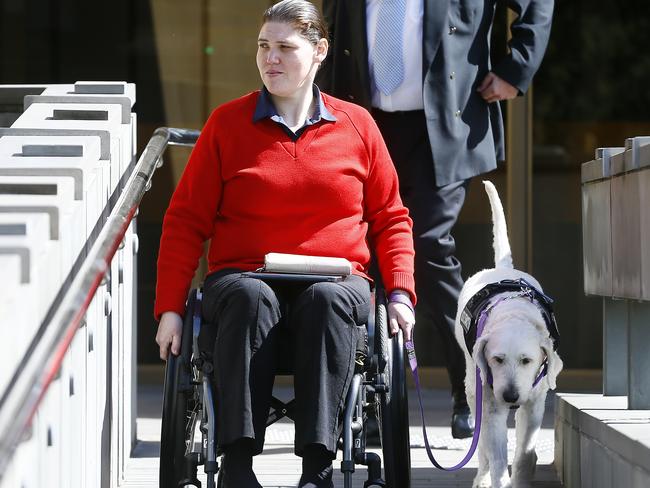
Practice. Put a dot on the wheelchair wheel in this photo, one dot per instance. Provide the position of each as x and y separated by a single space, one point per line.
179 413
393 404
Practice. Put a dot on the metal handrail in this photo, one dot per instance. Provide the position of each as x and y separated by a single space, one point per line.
34 374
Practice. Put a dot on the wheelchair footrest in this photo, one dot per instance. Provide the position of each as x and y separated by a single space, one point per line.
191 463
373 461
211 467
381 483
189 482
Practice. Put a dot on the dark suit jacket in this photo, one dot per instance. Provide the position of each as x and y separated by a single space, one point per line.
465 132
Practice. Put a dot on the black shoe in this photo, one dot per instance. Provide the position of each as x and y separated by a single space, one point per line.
317 467
237 466
462 423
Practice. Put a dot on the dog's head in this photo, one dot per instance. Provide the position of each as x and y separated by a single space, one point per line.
514 353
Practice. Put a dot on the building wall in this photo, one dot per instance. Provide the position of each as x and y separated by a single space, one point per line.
188 57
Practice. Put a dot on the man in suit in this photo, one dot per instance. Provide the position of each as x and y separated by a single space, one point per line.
423 69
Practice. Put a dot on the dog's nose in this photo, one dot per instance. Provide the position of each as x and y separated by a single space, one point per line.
510 395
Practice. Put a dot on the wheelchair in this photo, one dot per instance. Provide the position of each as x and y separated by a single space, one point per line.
188 437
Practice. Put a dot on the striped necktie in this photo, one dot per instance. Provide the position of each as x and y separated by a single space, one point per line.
388 63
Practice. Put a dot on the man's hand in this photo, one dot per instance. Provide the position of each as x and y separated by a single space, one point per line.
169 333
493 89
400 316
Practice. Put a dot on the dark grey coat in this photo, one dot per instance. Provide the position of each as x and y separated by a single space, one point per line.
465 132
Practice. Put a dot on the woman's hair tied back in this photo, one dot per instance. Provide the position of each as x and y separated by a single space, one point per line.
302 14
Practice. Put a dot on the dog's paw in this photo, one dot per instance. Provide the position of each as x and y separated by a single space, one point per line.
503 482
523 469
520 483
482 481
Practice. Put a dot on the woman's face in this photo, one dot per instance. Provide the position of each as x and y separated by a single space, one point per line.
286 60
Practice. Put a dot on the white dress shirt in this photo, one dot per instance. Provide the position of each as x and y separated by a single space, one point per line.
407 96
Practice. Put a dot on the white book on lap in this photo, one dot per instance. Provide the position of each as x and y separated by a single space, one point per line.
295 263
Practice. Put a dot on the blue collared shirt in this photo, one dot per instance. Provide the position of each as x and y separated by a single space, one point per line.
266 110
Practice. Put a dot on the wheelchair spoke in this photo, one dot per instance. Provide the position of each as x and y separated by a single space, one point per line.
190 430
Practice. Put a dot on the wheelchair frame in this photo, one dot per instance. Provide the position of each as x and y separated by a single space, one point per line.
188 401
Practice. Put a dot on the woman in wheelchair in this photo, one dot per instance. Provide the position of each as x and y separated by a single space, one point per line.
284 169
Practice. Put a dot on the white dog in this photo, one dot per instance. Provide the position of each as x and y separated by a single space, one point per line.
512 349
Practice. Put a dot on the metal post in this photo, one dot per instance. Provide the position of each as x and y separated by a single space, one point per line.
638 358
519 156
615 353
519 150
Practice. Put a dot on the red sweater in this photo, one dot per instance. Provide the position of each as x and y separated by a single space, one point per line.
252 190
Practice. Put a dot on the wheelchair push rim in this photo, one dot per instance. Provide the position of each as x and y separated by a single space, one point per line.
393 406
177 413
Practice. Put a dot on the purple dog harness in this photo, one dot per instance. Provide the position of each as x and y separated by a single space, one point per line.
473 317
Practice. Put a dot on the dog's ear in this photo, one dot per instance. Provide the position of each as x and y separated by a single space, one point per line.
555 364
479 357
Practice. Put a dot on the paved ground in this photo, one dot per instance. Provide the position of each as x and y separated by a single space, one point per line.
278 467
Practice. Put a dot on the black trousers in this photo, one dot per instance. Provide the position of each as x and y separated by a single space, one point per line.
434 210
318 326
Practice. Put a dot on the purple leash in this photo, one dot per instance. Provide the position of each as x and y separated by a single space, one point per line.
410 350
413 363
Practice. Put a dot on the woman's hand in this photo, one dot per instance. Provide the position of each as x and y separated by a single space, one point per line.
169 333
401 316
